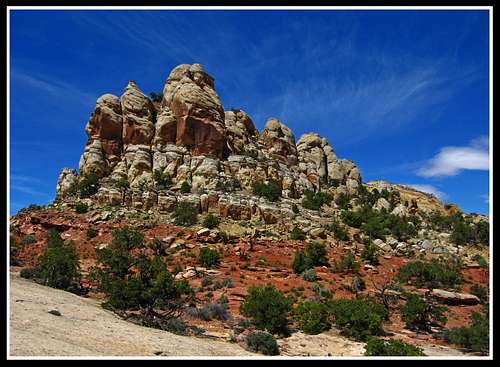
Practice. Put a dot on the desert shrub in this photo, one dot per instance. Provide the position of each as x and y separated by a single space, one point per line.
433 274
352 218
209 257
206 281
401 228
270 191
185 188
342 201
91 233
261 342
419 314
301 262
370 253
480 292
28 240
53 238
163 180
482 232
314 201
375 226
60 266
133 281
227 282
332 182
358 318
156 96
81 208
317 253
381 347
312 317
357 285
321 293
176 326
185 214
338 230
297 234
88 185
346 264
295 208
309 275
13 252
313 255
481 261
32 273
268 308
217 311
462 233
31 208
474 337
211 221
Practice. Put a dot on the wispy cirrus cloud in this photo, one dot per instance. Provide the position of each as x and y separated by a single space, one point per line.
452 160
56 88
429 189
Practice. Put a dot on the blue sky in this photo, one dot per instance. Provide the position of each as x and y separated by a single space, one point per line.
404 94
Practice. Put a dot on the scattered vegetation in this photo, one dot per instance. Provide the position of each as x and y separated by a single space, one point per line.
261 342
370 253
342 201
315 200
268 308
91 233
162 180
339 231
185 214
133 281
270 191
185 188
312 317
313 255
347 264
88 185
28 240
297 234
81 208
211 221
358 318
419 314
392 347
480 292
209 257
156 96
433 274
13 252
59 264
309 275
474 337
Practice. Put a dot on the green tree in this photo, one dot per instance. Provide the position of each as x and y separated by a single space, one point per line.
270 191
185 214
313 317
59 264
381 347
185 188
418 314
209 257
211 221
268 308
88 185
123 185
475 337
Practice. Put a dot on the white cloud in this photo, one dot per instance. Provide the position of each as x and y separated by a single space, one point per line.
450 161
429 189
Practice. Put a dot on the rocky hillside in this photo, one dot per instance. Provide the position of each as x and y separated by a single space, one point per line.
189 175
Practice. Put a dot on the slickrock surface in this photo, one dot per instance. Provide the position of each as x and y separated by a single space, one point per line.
86 329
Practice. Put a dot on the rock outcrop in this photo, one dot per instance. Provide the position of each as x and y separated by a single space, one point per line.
190 138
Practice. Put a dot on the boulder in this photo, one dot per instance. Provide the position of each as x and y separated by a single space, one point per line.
67 179
189 93
138 116
279 141
454 298
382 204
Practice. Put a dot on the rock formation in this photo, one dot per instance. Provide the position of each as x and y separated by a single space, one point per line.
191 138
